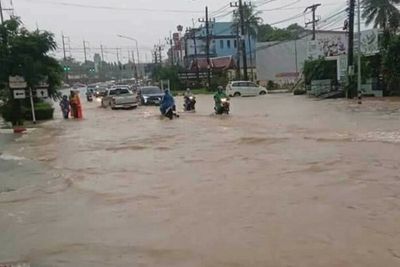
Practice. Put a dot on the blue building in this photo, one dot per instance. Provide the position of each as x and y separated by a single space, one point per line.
224 41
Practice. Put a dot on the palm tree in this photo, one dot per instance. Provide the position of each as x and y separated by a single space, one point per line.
252 21
382 13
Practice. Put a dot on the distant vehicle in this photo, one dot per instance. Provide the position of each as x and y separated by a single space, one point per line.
100 91
150 95
244 88
119 97
79 85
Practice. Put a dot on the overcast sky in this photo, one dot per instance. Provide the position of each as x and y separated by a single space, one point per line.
149 21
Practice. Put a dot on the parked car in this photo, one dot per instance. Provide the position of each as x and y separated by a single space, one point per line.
244 88
119 97
150 95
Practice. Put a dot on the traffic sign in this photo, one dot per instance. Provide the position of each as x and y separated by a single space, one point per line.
17 82
42 93
19 94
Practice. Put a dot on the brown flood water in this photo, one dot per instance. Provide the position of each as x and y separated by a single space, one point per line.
283 181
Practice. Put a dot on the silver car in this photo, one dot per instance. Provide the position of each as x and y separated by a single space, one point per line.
119 97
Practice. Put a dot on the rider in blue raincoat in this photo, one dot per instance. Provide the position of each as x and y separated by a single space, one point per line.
167 102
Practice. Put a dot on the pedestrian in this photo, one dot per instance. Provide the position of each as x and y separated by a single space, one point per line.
79 113
65 107
73 104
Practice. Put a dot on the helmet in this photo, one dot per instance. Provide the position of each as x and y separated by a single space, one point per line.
187 89
220 88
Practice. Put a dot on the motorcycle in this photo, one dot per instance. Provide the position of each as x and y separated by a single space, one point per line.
89 97
225 107
190 103
170 112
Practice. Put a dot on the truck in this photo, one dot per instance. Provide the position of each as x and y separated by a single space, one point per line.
119 97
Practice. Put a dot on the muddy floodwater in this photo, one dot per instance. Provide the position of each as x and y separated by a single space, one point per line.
282 181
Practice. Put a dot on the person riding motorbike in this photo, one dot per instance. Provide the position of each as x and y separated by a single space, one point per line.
167 105
189 100
219 95
188 93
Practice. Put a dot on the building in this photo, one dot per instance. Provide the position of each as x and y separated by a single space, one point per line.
282 62
224 42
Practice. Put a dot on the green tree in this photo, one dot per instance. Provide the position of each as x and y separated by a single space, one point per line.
391 66
25 53
170 73
267 33
251 17
382 13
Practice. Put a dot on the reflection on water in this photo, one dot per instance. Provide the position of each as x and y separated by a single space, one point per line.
283 181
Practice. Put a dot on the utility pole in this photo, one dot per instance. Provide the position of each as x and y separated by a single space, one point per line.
350 60
135 66
1 13
359 93
171 47
241 7
65 58
193 34
102 53
238 72
159 54
207 22
155 57
84 50
314 21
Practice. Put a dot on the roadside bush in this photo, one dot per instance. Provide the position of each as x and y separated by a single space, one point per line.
11 113
43 111
271 85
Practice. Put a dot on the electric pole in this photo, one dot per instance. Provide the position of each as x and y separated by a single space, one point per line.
241 7
160 53
135 66
1 13
193 35
350 60
65 59
102 53
238 72
314 21
207 22
84 50
359 93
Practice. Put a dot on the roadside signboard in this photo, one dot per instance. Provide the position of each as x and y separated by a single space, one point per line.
369 42
19 93
42 93
17 82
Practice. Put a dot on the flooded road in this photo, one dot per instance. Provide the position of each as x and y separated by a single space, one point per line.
283 181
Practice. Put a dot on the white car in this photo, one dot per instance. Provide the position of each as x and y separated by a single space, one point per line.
119 97
243 88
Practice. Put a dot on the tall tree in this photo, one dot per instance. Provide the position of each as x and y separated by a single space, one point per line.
252 19
382 13
25 53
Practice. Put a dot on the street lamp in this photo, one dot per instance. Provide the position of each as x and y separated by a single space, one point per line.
137 48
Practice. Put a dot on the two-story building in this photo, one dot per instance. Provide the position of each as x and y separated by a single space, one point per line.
224 42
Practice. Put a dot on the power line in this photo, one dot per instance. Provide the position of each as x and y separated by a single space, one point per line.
115 8
294 8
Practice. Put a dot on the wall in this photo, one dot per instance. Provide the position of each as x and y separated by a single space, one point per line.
276 61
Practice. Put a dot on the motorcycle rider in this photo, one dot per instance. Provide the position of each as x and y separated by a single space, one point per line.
167 102
217 99
188 93
189 100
